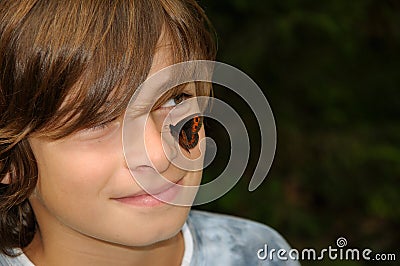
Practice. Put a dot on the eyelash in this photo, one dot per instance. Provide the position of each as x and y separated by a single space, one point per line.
101 126
178 98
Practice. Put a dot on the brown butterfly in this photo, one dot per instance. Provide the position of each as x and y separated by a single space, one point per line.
187 131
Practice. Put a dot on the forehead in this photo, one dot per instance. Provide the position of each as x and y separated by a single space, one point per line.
156 88
163 56
114 74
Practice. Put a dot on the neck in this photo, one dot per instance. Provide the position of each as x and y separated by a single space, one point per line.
49 248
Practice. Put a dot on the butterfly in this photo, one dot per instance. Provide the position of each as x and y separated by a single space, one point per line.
187 131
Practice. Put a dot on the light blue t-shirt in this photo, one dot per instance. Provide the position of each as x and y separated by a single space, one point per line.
226 240
215 239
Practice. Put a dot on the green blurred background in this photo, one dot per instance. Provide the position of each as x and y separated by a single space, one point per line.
331 73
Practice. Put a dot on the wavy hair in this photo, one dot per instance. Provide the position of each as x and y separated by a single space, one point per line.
69 65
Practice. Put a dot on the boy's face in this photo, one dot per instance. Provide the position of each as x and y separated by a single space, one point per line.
83 183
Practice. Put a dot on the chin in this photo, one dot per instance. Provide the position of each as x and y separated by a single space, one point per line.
145 231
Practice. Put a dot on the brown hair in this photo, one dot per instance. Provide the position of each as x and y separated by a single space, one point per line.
69 65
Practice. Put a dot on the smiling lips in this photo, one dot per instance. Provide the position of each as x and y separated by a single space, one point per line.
144 199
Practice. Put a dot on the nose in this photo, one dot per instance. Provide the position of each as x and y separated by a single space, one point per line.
158 153
143 145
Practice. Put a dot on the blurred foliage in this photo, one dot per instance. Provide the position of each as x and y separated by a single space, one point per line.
331 73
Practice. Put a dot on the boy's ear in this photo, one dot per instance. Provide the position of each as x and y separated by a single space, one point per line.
6 180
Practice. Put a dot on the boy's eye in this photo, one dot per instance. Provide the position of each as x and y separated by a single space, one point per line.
176 100
99 127
102 128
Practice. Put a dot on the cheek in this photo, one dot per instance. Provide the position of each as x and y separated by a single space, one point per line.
72 178
82 170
